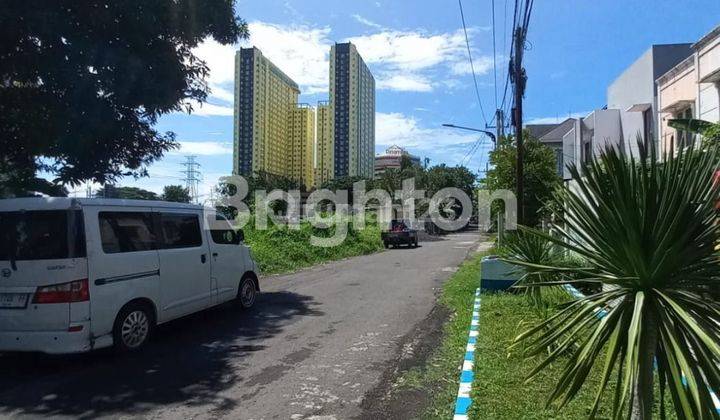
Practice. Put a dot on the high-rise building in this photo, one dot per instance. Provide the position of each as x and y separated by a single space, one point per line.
324 145
265 103
352 113
300 159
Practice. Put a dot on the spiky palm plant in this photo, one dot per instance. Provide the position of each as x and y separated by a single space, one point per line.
650 230
532 250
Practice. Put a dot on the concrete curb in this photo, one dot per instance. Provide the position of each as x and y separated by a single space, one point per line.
463 401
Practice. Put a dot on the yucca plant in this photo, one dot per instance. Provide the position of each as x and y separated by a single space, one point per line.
649 229
533 250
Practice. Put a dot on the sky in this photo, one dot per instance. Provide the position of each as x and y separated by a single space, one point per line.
417 53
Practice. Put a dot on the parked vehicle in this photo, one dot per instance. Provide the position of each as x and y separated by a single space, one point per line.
81 274
398 234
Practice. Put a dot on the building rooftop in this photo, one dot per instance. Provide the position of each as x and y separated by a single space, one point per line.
557 133
539 130
679 68
707 38
273 68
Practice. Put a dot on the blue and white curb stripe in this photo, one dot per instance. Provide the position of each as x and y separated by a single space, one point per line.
462 404
602 312
579 295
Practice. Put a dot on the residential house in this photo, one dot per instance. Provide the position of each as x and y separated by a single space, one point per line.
555 138
630 115
691 89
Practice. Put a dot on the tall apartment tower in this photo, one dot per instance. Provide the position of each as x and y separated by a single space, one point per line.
352 113
265 104
324 145
301 154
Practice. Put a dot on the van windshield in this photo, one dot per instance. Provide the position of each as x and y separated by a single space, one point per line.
41 235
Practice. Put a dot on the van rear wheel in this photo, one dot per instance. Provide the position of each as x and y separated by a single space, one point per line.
132 328
247 293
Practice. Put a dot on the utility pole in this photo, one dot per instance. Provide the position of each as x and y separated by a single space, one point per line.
499 126
500 123
192 176
518 79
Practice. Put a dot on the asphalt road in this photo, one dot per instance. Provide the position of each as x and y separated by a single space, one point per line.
315 346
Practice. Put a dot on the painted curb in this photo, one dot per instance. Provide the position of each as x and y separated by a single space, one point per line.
463 401
602 312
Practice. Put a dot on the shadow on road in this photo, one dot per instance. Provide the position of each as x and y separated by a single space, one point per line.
405 247
189 361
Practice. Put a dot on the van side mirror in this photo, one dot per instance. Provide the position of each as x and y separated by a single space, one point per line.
240 236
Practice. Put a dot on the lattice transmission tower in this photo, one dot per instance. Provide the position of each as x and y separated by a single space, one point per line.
192 176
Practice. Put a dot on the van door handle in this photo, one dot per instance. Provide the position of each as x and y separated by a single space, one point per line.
214 254
203 258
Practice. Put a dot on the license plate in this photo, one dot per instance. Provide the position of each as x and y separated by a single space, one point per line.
13 300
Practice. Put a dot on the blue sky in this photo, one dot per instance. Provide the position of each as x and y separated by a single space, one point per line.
416 51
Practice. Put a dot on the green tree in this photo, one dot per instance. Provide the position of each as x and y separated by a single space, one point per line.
344 184
649 230
540 177
263 181
82 83
443 176
176 193
127 193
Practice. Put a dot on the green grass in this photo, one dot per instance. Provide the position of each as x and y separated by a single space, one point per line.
279 249
439 377
499 390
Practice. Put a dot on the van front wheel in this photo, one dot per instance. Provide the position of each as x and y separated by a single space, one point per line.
246 293
132 327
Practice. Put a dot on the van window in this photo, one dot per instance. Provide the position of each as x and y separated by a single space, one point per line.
180 230
41 235
124 231
226 236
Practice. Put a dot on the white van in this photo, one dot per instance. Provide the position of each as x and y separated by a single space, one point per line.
81 274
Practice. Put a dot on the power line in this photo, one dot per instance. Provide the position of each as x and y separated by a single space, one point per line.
528 10
494 53
519 78
505 27
507 109
471 152
472 66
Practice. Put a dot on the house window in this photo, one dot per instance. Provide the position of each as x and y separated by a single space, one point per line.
685 139
587 151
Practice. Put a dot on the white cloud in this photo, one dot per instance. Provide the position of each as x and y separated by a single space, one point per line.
226 95
397 128
299 51
401 60
453 84
440 144
207 109
405 82
408 60
204 148
367 22
220 59
558 119
482 64
412 50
